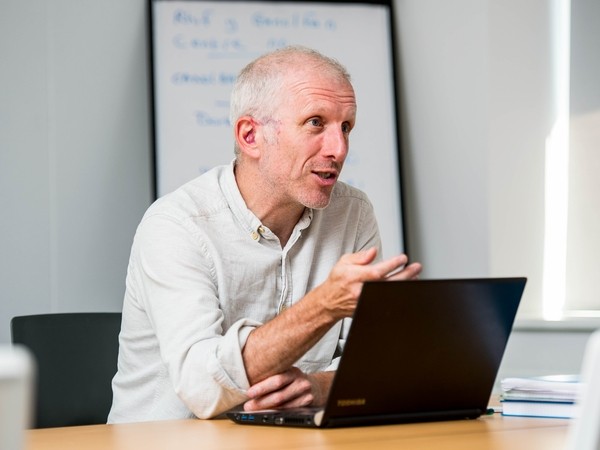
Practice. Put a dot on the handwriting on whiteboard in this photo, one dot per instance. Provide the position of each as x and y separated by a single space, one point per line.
206 19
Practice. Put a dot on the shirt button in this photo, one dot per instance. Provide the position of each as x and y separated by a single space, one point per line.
254 235
261 229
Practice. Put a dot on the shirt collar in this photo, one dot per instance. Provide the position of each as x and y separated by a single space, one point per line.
248 220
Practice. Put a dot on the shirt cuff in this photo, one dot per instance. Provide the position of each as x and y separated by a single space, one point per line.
228 368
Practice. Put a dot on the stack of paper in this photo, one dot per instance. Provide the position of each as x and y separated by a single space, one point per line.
548 396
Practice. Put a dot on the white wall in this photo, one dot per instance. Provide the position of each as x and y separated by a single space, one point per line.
476 91
75 167
443 72
74 152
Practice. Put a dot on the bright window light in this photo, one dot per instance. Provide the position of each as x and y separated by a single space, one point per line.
557 170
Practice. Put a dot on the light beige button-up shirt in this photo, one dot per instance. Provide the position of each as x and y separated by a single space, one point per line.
203 273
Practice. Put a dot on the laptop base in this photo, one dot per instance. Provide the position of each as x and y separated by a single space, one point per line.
308 417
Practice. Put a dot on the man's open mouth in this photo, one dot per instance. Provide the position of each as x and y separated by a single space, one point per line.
325 175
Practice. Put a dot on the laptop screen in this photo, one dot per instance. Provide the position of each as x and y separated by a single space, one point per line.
424 347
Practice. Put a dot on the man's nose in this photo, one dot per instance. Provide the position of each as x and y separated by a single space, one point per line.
336 145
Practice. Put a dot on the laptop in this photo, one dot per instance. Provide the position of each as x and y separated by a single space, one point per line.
422 350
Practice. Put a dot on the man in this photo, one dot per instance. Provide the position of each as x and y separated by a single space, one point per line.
241 282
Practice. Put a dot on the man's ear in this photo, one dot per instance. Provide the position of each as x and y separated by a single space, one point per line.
246 129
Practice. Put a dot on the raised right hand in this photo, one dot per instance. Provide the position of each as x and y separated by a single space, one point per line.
340 292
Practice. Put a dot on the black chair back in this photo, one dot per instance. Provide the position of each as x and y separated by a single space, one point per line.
76 357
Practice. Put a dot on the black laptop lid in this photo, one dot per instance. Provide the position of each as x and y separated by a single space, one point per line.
423 349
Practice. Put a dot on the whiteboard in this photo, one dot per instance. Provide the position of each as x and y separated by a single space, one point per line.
199 47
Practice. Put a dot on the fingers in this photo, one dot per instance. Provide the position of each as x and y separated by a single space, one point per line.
361 258
271 384
358 265
409 272
396 268
389 266
288 389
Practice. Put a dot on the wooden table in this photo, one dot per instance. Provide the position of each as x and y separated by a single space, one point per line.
490 432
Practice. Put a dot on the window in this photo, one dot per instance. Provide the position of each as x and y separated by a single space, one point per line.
572 220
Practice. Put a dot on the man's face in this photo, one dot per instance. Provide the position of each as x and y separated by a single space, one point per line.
305 149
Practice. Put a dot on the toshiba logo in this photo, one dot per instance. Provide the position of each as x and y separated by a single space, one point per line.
352 402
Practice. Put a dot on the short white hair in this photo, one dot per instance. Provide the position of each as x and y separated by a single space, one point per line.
257 90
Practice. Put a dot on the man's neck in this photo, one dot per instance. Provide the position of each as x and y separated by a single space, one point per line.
281 223
279 217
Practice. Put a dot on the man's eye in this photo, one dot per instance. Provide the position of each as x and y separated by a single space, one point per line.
315 121
346 128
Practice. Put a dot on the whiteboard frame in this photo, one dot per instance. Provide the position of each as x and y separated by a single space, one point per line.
388 4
